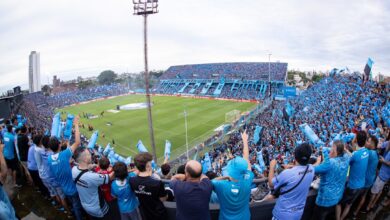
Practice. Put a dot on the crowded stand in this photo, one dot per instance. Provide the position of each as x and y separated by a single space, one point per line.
333 140
39 109
244 71
249 81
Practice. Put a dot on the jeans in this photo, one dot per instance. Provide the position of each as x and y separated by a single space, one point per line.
76 204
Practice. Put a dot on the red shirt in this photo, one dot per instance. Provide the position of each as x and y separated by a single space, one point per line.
106 188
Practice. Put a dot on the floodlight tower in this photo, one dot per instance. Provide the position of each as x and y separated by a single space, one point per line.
144 8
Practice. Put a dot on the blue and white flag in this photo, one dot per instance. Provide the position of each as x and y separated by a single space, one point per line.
260 160
289 109
93 139
206 163
256 134
167 152
310 134
55 125
107 150
61 129
128 161
68 127
141 148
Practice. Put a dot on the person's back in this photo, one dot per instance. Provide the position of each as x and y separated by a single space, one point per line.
192 199
234 197
120 188
333 174
23 145
9 146
372 164
384 172
87 187
292 185
31 163
358 168
59 164
148 190
192 192
43 165
104 168
292 204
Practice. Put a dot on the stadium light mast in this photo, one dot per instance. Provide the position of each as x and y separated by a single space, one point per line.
269 73
144 8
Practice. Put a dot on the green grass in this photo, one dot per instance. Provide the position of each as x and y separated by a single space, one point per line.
128 127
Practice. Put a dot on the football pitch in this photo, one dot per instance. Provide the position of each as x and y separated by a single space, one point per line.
126 127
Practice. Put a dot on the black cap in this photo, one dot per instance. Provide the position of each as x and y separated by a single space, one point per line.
302 153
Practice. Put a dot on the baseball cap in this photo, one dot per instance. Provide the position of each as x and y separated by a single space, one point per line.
237 168
302 153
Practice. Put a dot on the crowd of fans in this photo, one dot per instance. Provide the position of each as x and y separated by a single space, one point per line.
247 74
242 71
250 90
82 181
39 108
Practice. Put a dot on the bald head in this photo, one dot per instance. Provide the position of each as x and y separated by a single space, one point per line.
193 169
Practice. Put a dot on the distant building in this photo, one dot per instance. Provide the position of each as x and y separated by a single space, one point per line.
34 73
379 78
56 81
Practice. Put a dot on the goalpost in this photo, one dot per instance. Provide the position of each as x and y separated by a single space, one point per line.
232 116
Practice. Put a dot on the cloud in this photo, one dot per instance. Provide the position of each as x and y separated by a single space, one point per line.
85 37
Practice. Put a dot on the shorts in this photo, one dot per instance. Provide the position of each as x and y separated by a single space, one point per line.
12 164
378 186
350 195
53 190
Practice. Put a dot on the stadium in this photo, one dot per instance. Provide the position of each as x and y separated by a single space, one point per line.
213 140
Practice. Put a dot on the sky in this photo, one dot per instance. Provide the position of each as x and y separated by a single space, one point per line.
83 38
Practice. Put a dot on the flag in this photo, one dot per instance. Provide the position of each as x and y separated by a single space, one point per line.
260 160
141 148
68 127
55 125
107 150
368 68
61 129
100 150
128 161
167 149
289 109
256 134
310 134
93 139
206 166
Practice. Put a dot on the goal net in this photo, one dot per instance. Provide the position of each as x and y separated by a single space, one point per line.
232 116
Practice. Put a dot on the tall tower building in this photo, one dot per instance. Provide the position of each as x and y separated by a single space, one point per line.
34 73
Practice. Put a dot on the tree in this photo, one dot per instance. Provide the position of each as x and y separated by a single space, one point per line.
317 77
85 84
107 77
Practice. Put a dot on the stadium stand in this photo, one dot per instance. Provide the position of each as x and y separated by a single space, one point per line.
248 81
285 137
